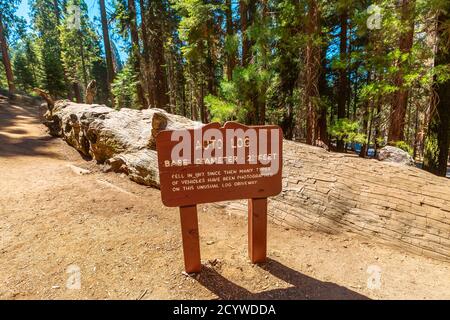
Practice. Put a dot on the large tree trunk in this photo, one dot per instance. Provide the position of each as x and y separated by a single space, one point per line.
5 58
322 128
402 206
438 136
343 73
231 59
110 73
400 101
156 48
312 71
136 52
243 11
147 66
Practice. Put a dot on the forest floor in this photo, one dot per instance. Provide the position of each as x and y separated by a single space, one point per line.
127 245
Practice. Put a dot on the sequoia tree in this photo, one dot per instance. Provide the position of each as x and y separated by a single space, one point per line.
438 137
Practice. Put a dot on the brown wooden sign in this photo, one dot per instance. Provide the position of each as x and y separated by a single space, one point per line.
213 163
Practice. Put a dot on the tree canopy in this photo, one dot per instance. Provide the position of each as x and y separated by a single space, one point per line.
341 73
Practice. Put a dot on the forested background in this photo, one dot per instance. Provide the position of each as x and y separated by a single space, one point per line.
338 73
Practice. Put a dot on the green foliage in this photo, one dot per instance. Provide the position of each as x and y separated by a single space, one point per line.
46 26
26 64
80 48
24 77
124 88
404 146
220 110
231 44
346 130
9 18
197 48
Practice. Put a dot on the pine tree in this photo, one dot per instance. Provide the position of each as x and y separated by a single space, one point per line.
7 17
46 26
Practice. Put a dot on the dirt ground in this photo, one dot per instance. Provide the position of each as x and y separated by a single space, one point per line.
57 223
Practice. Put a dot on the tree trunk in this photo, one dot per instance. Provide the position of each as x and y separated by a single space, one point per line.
231 59
400 101
135 51
438 136
365 127
322 130
312 67
416 132
343 76
376 118
83 60
77 92
147 66
243 10
365 120
110 73
5 59
156 46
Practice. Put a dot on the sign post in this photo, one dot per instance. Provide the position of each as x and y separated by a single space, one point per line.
190 236
213 163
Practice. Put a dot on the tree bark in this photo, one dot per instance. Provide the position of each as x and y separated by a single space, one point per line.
243 11
438 135
400 101
322 130
231 59
135 50
147 66
83 60
343 73
312 67
77 92
5 58
110 73
156 51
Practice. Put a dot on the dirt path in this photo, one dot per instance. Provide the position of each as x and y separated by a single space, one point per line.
126 244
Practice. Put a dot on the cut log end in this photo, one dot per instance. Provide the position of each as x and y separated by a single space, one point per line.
47 97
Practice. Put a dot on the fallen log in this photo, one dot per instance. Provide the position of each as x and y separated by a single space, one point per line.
47 97
399 205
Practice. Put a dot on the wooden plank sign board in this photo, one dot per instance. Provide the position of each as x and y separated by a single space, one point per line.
212 163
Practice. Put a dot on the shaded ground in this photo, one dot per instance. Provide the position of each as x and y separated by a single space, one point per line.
126 244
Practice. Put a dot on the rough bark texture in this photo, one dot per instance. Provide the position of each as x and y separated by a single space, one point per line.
402 206
399 205
243 8
135 49
122 140
343 74
5 59
110 74
437 143
155 25
311 73
400 101
231 61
